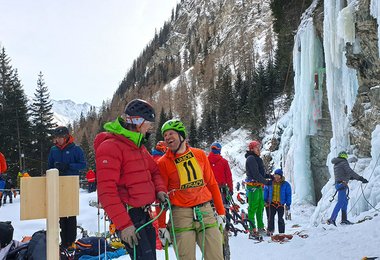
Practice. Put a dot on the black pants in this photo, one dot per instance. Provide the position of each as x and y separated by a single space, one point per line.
280 216
6 194
146 250
68 227
91 186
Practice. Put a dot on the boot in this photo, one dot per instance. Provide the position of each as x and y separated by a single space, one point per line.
344 219
330 222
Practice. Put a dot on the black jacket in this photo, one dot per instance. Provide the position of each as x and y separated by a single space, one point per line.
255 168
343 171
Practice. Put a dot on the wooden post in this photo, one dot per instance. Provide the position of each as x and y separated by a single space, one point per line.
52 203
57 196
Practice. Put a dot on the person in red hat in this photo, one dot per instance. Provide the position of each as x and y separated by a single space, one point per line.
255 181
222 171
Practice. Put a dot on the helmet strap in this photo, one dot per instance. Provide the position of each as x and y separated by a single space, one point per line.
182 140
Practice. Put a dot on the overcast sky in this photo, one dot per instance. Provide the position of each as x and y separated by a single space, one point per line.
83 47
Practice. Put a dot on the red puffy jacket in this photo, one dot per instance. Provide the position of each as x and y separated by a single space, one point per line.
90 176
221 170
126 174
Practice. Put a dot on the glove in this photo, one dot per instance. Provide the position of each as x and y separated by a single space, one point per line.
363 180
62 167
231 193
221 220
129 236
164 235
162 196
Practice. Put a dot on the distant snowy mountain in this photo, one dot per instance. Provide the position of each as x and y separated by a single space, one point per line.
66 111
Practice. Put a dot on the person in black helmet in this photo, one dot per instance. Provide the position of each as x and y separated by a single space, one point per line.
129 180
69 159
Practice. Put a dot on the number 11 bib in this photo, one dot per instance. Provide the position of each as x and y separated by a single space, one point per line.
189 172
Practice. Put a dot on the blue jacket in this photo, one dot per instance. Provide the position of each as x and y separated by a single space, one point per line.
72 155
285 194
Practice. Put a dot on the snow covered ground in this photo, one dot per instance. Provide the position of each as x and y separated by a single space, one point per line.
342 242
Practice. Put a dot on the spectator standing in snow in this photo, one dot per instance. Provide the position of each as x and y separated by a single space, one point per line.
222 171
128 178
91 180
3 169
191 184
9 191
3 164
342 173
277 197
69 159
255 181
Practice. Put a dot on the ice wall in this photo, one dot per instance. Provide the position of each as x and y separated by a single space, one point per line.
307 60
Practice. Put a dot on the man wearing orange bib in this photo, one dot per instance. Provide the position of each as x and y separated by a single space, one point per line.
191 184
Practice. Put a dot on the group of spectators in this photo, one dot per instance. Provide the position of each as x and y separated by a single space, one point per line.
196 186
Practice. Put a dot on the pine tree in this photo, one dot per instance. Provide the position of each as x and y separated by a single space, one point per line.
15 130
162 120
227 105
42 123
88 151
193 136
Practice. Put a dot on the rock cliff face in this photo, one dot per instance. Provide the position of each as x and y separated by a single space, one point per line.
365 59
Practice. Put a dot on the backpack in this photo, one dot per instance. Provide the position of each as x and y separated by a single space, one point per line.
35 249
92 246
37 246
6 233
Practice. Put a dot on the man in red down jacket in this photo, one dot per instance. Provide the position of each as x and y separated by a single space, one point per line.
221 170
128 177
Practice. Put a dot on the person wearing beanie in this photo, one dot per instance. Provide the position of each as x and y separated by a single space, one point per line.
192 186
69 159
222 171
343 174
255 181
277 197
128 178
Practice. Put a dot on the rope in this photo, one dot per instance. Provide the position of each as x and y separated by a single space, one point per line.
361 186
173 232
146 224
199 215
378 157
